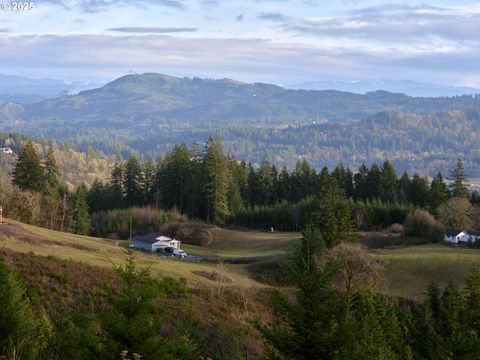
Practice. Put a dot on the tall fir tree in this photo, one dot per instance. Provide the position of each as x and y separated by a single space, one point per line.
438 192
216 181
388 182
51 171
81 219
457 174
28 172
331 214
115 184
17 322
133 183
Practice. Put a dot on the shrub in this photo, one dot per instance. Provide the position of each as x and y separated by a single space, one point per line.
422 224
395 229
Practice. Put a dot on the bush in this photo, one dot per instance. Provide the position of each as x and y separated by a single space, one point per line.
395 229
422 224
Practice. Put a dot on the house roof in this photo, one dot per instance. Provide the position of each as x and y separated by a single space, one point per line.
148 239
452 232
474 233
163 238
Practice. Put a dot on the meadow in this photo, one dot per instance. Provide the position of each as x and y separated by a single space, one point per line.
409 269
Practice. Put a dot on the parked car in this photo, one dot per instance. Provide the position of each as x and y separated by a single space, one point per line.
179 253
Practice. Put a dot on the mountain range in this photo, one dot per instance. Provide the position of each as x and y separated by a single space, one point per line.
408 87
150 113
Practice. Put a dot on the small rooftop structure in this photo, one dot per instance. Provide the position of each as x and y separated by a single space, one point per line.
6 150
152 242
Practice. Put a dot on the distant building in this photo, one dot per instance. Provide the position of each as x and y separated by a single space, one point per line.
6 150
458 236
151 242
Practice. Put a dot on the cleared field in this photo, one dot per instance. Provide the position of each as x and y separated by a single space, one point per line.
410 269
235 244
105 253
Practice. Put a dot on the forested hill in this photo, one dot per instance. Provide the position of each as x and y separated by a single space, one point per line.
151 113
196 101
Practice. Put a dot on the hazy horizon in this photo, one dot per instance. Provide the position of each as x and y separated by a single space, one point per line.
282 42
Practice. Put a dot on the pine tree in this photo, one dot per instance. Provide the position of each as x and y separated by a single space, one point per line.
404 188
148 186
438 192
216 181
331 214
419 191
115 184
51 171
81 220
133 183
28 173
360 180
17 324
388 183
457 174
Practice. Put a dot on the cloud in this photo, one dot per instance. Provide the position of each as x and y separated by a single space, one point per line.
276 17
4 30
152 30
398 24
93 6
105 56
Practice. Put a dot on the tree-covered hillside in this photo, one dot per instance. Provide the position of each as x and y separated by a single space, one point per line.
153 112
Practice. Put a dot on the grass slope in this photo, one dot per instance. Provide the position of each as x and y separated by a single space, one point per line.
245 244
104 253
410 269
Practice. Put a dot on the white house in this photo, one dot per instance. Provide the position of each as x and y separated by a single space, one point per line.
458 236
151 242
6 150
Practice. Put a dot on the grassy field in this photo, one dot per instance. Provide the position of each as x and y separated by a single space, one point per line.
410 269
104 253
235 244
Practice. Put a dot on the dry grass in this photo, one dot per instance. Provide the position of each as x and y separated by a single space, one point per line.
105 253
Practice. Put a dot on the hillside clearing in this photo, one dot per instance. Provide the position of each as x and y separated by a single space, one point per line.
410 269
104 253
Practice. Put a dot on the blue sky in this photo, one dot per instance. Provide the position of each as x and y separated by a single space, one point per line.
276 41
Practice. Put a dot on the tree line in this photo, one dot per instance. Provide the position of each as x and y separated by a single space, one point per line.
208 185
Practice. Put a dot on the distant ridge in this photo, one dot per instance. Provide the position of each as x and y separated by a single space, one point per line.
407 87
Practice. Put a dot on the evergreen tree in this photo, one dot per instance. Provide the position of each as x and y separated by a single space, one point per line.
115 185
438 192
388 182
18 330
216 177
419 191
331 214
403 192
374 182
305 329
176 178
51 171
457 174
81 219
361 185
133 183
148 186
97 197
28 172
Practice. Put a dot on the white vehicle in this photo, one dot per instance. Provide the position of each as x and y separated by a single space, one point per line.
180 253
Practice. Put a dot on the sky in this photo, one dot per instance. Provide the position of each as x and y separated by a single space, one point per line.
276 41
